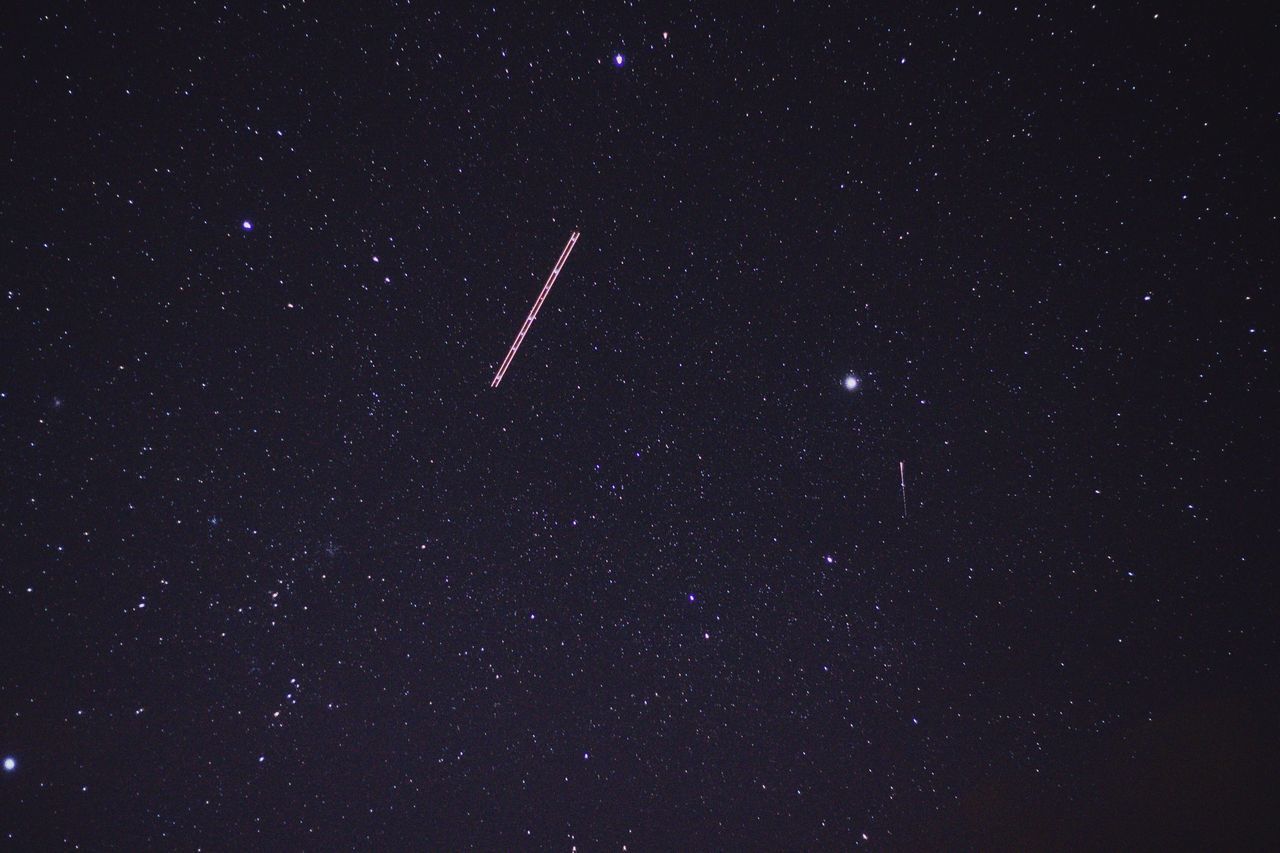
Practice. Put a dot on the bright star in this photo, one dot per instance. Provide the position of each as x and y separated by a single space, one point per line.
619 59
247 225
850 382
9 763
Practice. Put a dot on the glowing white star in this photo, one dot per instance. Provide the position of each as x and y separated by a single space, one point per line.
850 382
9 763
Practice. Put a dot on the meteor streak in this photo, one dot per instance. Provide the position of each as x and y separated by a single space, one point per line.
902 478
533 314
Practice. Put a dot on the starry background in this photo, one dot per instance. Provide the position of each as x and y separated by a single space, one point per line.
281 570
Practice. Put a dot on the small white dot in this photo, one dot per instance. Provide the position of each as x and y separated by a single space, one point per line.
10 764
247 225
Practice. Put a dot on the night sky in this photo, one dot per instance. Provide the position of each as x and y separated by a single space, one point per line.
280 570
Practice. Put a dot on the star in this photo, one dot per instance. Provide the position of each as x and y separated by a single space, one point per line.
850 383
619 60
247 225
10 764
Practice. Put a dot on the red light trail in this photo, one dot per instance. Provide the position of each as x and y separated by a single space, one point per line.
533 314
902 478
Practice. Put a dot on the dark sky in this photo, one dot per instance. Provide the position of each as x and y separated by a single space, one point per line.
279 570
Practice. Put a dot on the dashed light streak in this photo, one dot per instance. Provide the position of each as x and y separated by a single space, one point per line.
533 314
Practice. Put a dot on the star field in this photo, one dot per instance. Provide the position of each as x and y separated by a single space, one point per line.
279 569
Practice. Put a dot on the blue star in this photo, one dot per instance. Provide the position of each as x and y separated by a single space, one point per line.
619 60
247 225
10 764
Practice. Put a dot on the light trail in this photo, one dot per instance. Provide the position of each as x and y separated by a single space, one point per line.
533 314
902 478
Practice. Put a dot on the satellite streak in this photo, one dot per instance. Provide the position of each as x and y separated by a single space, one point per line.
533 314
902 478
